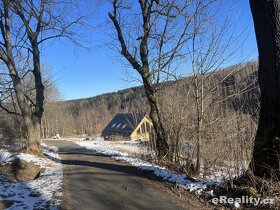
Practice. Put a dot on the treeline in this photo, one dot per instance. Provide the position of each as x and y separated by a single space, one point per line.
234 88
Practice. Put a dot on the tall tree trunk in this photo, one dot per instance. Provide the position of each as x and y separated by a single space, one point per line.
266 15
30 123
34 122
32 133
40 97
199 103
161 138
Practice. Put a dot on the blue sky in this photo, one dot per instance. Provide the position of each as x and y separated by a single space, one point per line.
83 73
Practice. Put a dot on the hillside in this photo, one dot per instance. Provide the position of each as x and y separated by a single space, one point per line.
235 87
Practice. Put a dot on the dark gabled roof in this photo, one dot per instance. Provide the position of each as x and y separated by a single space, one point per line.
123 124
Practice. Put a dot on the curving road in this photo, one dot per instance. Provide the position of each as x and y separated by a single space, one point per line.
94 181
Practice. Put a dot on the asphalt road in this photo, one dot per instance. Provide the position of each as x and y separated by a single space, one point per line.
94 181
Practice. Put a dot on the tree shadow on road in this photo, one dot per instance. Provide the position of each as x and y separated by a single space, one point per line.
102 163
98 160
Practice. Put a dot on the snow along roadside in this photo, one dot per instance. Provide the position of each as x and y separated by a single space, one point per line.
42 193
104 148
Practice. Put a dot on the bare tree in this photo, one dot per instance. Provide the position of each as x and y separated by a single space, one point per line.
266 16
212 46
152 35
25 25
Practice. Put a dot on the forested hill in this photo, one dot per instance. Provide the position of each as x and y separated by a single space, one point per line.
121 99
232 88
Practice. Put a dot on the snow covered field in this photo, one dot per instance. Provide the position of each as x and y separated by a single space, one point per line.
116 151
42 193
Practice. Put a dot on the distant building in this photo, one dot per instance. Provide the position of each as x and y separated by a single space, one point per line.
128 127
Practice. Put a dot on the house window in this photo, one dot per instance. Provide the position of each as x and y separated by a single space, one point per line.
148 128
143 128
123 127
118 125
113 125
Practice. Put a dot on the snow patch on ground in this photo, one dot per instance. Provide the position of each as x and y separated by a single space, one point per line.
107 148
130 147
42 193
5 157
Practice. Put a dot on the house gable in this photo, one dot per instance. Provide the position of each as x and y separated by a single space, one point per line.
142 134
